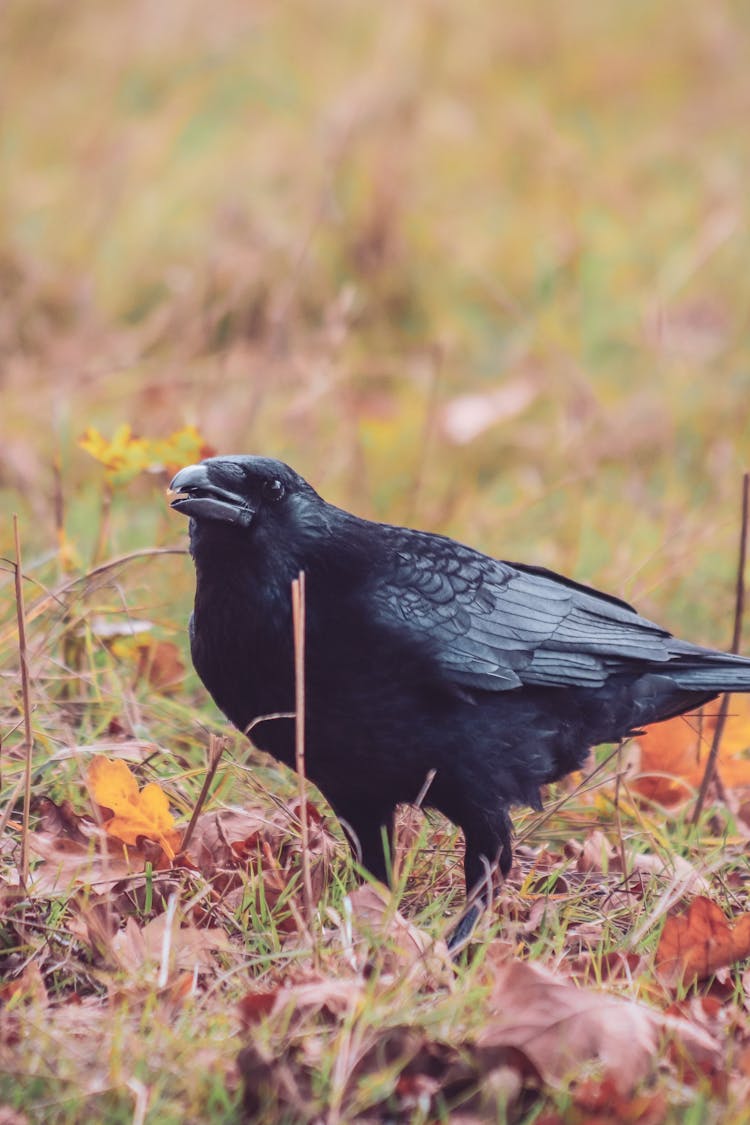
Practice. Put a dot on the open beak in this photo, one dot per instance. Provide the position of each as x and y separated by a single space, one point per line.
201 498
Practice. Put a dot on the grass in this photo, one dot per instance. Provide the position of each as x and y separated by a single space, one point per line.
310 230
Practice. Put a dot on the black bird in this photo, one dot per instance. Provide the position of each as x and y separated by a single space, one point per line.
421 655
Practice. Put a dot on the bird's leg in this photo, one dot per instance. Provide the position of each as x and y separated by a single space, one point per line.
488 846
370 835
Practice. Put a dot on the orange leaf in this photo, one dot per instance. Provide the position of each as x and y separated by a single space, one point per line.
673 754
136 812
693 945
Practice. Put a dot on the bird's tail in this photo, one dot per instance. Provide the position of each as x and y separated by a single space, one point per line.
707 670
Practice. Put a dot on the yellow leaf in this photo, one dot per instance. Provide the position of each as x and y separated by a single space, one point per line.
123 457
135 812
180 448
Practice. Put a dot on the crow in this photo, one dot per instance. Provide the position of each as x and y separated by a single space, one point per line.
425 660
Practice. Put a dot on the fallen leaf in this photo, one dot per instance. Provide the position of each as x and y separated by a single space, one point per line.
673 754
560 1026
185 947
601 1101
69 863
255 1005
400 943
672 866
28 987
699 941
136 813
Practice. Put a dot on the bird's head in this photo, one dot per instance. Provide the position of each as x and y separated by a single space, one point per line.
255 496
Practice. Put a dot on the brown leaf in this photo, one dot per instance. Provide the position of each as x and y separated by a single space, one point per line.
61 820
596 853
71 862
255 1005
161 664
602 1101
560 1026
698 942
678 870
185 946
29 986
403 944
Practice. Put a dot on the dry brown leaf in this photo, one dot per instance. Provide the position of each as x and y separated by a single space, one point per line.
561 1027
160 664
602 1102
596 853
70 862
698 942
334 995
229 843
374 915
255 1005
673 867
29 986
186 946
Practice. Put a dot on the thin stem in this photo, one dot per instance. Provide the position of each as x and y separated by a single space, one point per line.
26 697
216 748
710 771
298 621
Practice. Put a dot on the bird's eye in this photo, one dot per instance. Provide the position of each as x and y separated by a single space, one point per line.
273 489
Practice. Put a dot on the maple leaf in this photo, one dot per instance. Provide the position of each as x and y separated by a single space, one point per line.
124 456
698 942
673 753
181 448
143 812
561 1027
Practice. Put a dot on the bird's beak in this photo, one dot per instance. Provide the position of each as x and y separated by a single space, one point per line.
202 498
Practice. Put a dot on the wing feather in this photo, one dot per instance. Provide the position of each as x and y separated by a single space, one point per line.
495 626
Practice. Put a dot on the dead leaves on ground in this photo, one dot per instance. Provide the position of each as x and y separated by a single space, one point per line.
156 922
539 1029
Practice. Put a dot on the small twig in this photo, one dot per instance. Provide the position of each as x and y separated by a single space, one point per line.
620 837
710 773
418 802
298 621
216 747
26 697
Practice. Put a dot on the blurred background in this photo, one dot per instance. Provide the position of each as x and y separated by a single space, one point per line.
477 267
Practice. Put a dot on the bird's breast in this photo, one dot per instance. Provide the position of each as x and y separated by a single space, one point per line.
244 656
